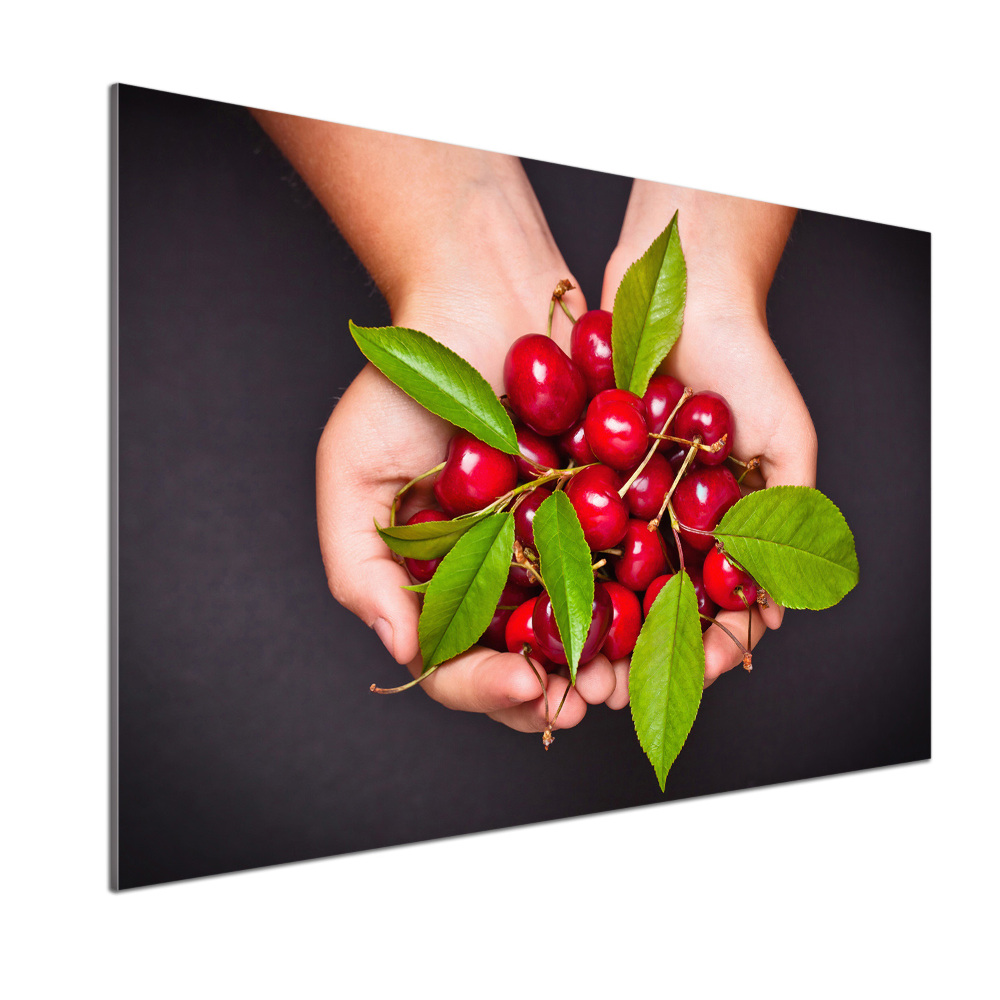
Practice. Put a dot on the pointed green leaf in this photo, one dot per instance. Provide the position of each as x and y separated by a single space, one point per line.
649 311
564 561
439 380
795 543
667 674
465 589
429 539
417 588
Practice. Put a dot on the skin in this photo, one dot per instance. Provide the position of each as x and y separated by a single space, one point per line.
418 215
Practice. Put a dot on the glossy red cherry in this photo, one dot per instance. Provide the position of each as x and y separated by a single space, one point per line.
547 631
544 388
626 621
520 630
510 599
574 443
474 475
724 582
705 605
590 348
701 498
520 577
661 396
423 569
602 513
538 454
674 453
648 489
524 516
615 426
707 415
652 591
643 558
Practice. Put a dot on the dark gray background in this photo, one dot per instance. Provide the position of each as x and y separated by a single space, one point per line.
247 734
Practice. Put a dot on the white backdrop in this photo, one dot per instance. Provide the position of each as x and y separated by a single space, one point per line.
877 883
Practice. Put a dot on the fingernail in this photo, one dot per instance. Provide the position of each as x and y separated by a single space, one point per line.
384 631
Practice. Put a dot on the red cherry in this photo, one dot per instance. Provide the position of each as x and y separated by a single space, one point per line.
602 513
474 475
511 598
522 578
674 453
626 621
705 605
574 443
423 569
648 489
643 558
544 388
652 591
538 454
661 396
701 498
547 631
723 579
707 415
615 426
590 348
521 630
524 516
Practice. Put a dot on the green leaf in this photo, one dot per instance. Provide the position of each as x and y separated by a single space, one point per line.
439 380
795 543
429 539
649 311
667 674
564 561
465 589
417 588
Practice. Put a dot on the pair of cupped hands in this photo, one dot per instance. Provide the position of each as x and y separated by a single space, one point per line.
493 287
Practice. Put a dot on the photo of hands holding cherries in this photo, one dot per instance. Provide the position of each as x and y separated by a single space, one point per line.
541 507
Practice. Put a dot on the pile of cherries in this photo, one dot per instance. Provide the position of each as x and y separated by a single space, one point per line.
567 414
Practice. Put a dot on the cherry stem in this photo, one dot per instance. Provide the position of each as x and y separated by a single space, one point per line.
403 687
677 537
694 531
562 287
552 309
529 568
711 448
688 459
561 703
715 621
402 491
527 487
746 655
566 309
754 463
597 565
547 737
